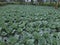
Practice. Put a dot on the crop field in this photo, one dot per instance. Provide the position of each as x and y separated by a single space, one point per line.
29 25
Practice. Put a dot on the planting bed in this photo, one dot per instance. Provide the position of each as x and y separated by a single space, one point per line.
29 25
